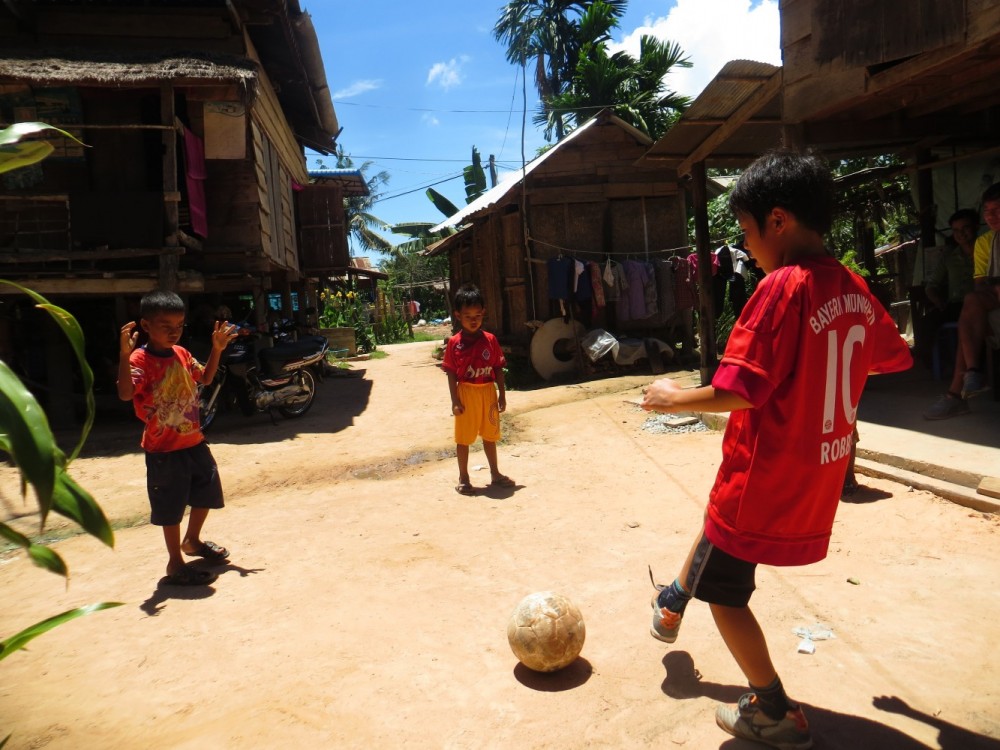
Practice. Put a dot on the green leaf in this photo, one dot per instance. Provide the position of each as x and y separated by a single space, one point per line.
42 556
18 641
442 204
27 434
71 328
18 155
20 129
72 501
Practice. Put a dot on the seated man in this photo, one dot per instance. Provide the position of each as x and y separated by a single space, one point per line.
969 378
949 282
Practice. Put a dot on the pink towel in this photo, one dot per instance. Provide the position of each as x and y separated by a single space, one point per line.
194 175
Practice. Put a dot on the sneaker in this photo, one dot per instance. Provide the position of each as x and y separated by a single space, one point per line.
747 721
973 383
665 623
947 407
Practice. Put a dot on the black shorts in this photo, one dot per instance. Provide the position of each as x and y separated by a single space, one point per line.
717 577
177 479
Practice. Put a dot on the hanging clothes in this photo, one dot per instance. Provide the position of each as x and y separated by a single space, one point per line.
685 290
195 175
559 270
597 286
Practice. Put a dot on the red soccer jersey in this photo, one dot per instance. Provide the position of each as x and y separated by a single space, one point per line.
473 359
166 398
800 353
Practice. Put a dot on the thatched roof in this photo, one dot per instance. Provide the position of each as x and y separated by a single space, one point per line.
123 67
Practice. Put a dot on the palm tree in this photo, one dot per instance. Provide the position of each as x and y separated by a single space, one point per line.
634 88
362 225
547 31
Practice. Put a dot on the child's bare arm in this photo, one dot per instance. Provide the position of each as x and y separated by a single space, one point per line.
665 395
224 333
456 403
501 389
126 344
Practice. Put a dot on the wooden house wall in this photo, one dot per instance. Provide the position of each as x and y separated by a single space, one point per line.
587 200
825 49
323 235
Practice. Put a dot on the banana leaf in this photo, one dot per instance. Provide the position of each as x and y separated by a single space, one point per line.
19 640
73 502
442 204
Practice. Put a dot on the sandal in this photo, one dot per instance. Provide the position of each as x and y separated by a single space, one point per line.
503 481
465 488
210 551
190 576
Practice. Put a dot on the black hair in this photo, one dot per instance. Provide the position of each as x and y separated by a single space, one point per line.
160 301
468 295
799 183
992 193
964 213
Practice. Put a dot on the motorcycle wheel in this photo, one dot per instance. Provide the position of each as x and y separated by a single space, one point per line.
207 413
305 379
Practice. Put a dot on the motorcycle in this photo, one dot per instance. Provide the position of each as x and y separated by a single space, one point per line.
261 378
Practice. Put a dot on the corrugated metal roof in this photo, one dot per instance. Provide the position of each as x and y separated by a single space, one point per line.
512 180
352 180
727 98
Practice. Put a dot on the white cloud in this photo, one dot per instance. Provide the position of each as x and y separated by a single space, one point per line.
429 119
447 74
358 87
711 33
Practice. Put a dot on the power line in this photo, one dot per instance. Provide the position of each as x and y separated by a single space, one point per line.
422 187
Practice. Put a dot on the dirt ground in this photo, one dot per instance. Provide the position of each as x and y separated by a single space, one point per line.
366 602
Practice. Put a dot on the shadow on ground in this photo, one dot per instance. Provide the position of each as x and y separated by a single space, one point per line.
830 729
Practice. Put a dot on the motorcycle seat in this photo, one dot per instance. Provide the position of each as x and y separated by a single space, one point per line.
306 347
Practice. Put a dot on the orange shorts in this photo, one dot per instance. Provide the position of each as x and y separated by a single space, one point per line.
481 415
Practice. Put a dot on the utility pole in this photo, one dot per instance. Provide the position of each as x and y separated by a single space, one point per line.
493 171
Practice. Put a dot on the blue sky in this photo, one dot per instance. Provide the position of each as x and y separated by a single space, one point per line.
417 84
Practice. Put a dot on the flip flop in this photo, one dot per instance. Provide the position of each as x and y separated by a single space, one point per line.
465 488
503 481
210 551
189 576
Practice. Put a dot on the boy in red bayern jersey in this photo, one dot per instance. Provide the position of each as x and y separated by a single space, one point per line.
791 376
161 380
474 361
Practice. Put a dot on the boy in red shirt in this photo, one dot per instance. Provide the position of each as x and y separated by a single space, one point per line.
791 376
474 361
161 379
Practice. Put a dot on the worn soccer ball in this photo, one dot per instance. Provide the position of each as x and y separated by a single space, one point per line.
546 631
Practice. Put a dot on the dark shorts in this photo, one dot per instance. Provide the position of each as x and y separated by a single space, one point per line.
177 479
717 577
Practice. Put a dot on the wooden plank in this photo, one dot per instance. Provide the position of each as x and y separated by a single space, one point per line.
78 255
744 112
989 486
796 21
150 23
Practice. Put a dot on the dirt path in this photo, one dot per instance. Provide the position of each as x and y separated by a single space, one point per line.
366 602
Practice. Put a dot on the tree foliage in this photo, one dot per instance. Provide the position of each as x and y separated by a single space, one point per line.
363 226
576 76
548 33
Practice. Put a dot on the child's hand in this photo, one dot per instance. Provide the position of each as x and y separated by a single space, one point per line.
659 395
127 339
502 404
224 333
457 408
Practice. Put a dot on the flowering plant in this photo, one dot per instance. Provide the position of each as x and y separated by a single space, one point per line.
342 309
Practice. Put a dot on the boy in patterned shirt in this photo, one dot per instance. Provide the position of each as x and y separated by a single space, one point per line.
161 380
791 376
474 362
